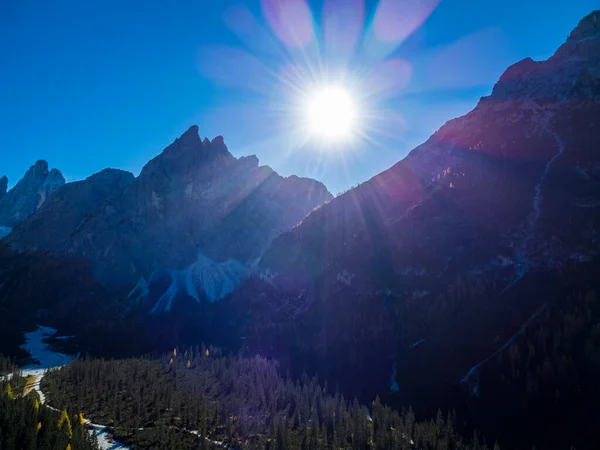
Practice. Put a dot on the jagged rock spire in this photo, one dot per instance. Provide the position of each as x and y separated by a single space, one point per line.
29 194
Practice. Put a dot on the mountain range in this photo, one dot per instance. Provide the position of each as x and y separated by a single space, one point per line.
412 286
196 218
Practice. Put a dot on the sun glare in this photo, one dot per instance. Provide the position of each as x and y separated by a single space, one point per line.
331 113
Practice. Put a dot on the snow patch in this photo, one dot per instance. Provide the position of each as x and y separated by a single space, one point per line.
40 351
105 440
580 257
521 267
42 199
156 201
414 344
216 280
505 261
49 359
45 357
345 277
204 278
167 298
141 288
268 275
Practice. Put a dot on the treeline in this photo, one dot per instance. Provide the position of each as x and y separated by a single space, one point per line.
25 424
199 399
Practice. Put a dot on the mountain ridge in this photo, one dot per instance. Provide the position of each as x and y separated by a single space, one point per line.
505 192
185 206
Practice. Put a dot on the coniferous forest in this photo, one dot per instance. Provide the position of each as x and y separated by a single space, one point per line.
25 424
197 398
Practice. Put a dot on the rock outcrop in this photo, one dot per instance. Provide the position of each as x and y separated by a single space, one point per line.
29 194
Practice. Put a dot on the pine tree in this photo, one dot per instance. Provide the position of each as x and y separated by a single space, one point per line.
8 391
66 422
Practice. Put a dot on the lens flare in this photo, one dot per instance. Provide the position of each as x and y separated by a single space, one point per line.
331 113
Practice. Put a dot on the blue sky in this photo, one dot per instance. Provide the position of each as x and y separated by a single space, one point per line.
94 84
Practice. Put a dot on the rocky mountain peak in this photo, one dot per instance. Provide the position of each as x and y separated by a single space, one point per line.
568 73
29 193
40 167
187 155
191 135
54 177
218 140
194 198
588 27
218 146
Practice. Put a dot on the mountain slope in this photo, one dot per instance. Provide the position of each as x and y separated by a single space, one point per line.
192 206
3 186
429 255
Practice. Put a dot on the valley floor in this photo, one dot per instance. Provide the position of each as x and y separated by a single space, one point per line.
46 359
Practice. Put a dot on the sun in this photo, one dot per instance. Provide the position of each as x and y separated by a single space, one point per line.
330 113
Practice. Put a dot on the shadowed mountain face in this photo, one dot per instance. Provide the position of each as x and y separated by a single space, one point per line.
428 255
3 186
29 194
195 212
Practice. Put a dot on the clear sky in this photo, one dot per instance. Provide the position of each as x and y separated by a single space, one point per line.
94 84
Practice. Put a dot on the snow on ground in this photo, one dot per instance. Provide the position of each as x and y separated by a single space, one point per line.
204 278
40 351
47 359
105 440
197 434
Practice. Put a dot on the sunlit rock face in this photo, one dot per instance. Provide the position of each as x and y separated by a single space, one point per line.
193 199
29 194
509 190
